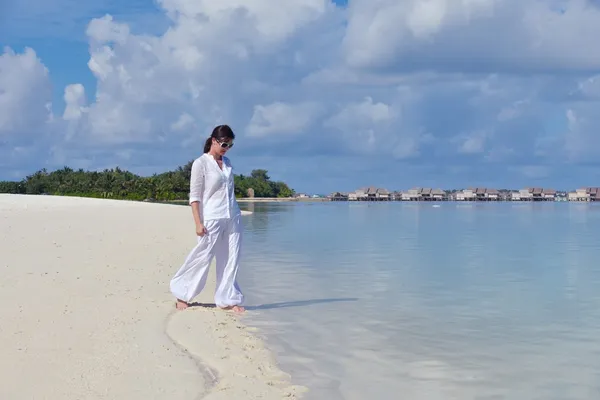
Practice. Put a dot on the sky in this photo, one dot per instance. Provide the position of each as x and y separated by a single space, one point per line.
327 96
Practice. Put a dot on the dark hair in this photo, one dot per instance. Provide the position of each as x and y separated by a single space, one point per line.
220 132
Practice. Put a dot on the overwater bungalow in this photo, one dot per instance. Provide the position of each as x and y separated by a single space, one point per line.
465 195
536 194
370 194
492 195
411 194
378 194
582 194
549 194
396 196
424 194
585 194
478 194
521 195
373 193
533 194
439 195
358 195
338 196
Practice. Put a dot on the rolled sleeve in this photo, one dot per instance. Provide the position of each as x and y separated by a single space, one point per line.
197 182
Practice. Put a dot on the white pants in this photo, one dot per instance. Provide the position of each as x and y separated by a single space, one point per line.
223 241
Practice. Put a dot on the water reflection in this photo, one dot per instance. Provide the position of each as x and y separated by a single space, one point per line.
265 216
298 303
457 302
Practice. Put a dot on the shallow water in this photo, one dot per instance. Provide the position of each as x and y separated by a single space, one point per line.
410 301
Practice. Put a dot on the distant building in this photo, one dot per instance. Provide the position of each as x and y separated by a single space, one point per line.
523 195
338 196
534 194
357 195
478 194
465 195
585 194
396 195
370 194
373 193
424 194
382 194
438 195
581 194
492 194
549 194
411 194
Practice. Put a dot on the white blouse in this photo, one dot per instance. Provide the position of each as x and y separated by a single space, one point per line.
213 188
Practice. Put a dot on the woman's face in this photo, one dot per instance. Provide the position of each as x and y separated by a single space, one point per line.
221 146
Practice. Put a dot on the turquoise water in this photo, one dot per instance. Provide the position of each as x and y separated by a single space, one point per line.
411 301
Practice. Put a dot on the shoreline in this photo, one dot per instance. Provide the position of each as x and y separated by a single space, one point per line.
261 200
87 311
282 199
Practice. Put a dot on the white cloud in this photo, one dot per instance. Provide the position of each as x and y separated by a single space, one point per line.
410 144
106 30
184 121
25 94
365 126
512 111
581 141
472 143
590 88
212 63
268 23
446 35
363 114
425 17
74 102
427 81
280 118
533 171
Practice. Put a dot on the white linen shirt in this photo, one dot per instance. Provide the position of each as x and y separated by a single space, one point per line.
213 188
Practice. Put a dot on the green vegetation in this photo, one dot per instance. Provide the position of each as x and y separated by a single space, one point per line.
119 184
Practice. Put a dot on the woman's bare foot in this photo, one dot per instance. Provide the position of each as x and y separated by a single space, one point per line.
238 309
181 305
235 309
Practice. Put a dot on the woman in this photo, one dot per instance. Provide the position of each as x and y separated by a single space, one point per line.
218 226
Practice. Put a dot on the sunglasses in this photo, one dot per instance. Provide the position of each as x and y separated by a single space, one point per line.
225 145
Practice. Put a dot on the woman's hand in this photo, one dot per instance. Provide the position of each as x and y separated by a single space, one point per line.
201 230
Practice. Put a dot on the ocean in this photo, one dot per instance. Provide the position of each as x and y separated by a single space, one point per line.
399 300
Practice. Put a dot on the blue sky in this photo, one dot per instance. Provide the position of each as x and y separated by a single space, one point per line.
326 96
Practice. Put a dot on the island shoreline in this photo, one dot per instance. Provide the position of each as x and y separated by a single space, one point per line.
102 267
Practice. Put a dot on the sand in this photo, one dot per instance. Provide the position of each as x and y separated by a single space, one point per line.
86 313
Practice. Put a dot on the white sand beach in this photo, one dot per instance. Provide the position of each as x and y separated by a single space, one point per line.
86 313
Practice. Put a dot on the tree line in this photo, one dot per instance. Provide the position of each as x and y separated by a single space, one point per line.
120 184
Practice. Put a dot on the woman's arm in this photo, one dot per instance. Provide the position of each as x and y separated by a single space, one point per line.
197 213
197 191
